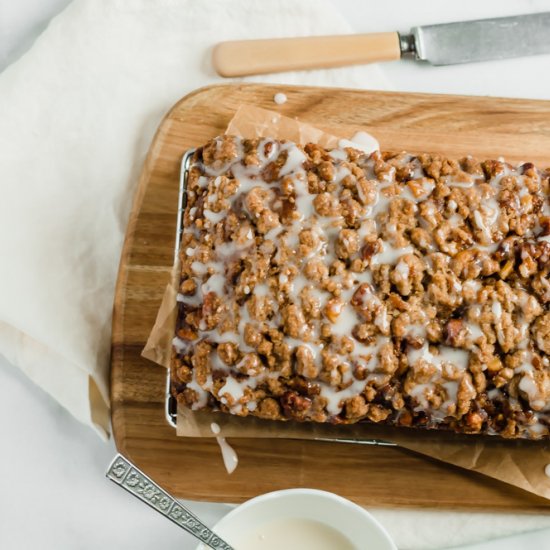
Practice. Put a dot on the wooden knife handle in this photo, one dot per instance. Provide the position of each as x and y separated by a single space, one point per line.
247 57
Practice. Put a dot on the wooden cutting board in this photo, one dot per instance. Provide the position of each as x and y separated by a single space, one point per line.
371 476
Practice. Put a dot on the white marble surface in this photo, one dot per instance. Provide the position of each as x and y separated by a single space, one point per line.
52 468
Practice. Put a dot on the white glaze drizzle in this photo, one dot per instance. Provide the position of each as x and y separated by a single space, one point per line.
229 456
279 98
362 141
448 368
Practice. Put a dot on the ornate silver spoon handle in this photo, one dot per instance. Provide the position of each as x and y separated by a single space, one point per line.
129 477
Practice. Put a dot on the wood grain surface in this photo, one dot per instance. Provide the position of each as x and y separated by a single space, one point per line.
371 476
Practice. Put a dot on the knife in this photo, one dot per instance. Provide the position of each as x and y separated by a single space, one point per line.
445 44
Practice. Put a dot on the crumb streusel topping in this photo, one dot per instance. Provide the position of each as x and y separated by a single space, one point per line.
336 286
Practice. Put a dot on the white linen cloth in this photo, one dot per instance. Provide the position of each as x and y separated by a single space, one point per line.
77 114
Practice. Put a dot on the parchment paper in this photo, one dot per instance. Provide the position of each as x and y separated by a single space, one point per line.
519 463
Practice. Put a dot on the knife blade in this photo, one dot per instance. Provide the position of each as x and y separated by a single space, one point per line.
444 44
479 40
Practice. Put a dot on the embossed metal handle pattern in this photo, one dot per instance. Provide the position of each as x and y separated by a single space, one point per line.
131 478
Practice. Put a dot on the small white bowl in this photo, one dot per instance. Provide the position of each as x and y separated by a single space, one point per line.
344 516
